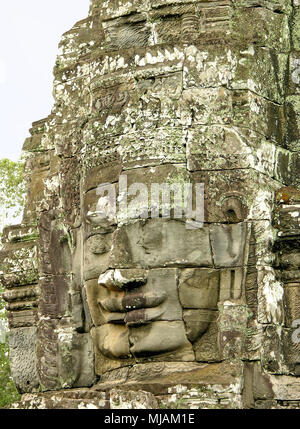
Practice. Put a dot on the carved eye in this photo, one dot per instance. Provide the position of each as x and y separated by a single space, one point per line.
101 212
99 217
92 217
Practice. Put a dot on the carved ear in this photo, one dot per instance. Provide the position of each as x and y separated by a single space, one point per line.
234 209
286 219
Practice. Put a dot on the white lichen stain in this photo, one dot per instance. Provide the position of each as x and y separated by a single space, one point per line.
273 294
261 207
83 406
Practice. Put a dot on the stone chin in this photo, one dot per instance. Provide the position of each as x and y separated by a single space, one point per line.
149 340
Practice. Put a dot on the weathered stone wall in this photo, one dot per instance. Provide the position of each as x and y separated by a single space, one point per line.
206 92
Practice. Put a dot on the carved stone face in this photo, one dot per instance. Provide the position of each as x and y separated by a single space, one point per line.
153 285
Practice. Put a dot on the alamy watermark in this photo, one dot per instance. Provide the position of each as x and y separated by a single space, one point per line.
177 200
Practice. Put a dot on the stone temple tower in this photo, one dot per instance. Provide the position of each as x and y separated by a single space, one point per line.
140 310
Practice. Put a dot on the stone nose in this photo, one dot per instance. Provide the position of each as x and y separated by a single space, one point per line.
123 279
